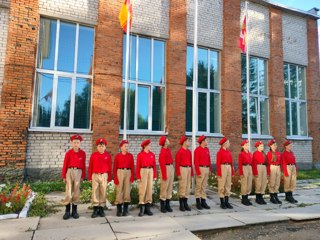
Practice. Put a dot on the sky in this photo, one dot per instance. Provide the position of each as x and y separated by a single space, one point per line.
302 5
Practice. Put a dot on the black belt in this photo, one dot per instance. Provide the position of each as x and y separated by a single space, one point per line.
275 164
125 168
261 164
291 164
146 167
225 163
99 173
74 168
246 164
168 164
184 166
203 166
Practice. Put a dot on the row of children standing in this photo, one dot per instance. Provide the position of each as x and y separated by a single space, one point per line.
100 172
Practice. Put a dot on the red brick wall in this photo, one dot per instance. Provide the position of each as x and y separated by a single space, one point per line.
176 72
16 97
107 75
313 88
231 106
277 114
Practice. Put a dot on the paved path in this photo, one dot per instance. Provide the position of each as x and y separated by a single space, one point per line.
176 225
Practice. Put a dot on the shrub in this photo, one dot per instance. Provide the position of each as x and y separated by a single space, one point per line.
40 207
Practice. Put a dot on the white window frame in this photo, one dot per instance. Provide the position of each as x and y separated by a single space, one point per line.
258 97
297 101
149 85
56 74
208 90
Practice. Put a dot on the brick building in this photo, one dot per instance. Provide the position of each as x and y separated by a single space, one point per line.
61 72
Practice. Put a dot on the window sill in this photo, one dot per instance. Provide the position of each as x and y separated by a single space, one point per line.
255 136
301 138
59 130
147 133
198 134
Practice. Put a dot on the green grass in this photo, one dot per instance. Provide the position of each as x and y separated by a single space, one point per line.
308 174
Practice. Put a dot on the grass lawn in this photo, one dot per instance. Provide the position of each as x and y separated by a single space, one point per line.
308 174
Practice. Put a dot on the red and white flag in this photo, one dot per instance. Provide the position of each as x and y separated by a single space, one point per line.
243 36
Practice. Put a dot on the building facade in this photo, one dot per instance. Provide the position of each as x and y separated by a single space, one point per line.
62 67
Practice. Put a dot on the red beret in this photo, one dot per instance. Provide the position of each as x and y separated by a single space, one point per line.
244 142
101 141
222 141
271 142
76 137
162 140
183 139
145 143
201 139
123 142
257 144
286 143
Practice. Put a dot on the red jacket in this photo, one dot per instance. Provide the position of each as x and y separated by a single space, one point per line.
76 160
183 158
165 157
258 158
100 163
223 157
202 158
244 159
287 158
123 161
145 159
270 162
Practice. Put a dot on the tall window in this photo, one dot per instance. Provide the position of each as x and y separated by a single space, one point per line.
296 103
63 76
146 84
258 93
207 91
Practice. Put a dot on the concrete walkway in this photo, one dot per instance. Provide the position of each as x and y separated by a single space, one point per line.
175 225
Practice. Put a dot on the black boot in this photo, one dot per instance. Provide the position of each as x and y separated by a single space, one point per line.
163 206
198 204
142 207
248 200
292 199
169 209
277 199
262 200
95 212
222 203
273 199
287 197
147 210
186 206
228 205
125 209
244 200
181 205
119 210
258 199
67 213
74 211
101 212
204 203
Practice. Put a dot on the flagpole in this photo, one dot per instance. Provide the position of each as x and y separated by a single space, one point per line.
125 112
194 84
248 80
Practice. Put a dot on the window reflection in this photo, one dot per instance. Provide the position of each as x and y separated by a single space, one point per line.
63 102
82 108
143 107
85 50
66 52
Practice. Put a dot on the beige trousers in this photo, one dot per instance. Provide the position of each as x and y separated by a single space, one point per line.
261 180
201 183
224 182
99 189
73 179
145 185
274 179
184 182
167 185
123 188
246 180
290 181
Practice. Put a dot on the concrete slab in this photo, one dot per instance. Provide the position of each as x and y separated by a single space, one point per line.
208 222
183 235
259 216
301 213
16 235
146 227
18 228
96 232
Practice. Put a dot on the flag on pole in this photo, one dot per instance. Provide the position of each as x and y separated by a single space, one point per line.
243 36
123 15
